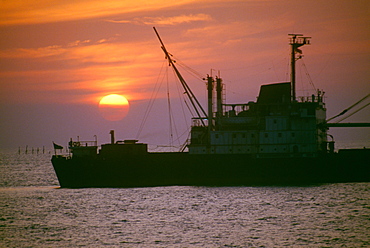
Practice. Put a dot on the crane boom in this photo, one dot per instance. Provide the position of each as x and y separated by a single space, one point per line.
194 101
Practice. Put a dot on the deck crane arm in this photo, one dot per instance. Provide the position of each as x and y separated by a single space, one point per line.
194 101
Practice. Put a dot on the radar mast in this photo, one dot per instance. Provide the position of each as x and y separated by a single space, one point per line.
296 41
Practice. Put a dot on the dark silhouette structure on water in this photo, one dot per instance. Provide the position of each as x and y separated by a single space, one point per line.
33 150
280 139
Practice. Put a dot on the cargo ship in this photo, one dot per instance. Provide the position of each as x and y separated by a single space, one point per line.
279 139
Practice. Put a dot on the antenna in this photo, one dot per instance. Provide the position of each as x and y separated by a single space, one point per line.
297 40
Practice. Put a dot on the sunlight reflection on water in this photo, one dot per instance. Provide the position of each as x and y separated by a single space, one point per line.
36 213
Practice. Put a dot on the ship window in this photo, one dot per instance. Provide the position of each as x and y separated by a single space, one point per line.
293 134
279 135
266 135
295 149
275 121
216 136
252 135
234 135
243 135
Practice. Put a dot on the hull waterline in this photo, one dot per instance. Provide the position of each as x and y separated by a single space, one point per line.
166 169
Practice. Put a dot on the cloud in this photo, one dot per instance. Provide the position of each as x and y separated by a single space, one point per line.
26 53
80 71
78 49
173 20
18 12
78 42
94 57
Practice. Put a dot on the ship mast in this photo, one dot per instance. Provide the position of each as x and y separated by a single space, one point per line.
297 40
194 101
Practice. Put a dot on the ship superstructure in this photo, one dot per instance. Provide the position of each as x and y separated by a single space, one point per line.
278 124
272 126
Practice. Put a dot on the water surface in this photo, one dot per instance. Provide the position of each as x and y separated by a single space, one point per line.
34 212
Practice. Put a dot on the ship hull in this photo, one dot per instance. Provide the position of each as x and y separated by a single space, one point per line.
166 169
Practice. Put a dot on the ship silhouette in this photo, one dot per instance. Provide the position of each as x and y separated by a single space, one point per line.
280 139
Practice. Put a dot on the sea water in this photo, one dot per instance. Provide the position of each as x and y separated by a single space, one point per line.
35 212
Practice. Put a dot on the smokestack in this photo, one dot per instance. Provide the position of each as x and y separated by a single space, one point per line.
111 136
219 96
210 102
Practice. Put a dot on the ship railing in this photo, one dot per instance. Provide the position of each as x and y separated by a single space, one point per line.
319 97
232 110
73 144
305 99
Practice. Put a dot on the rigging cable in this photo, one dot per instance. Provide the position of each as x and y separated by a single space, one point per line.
194 101
182 96
350 107
190 70
354 112
301 80
308 75
169 109
151 101
182 149
173 126
287 72
197 76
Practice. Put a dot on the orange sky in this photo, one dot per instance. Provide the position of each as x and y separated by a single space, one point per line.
74 52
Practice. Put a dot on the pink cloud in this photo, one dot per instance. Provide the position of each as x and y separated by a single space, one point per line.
173 20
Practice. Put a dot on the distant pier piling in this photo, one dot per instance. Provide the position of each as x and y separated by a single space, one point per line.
33 150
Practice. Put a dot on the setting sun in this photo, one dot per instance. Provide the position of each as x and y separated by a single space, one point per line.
114 107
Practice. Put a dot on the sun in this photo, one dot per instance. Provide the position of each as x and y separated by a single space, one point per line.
114 107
